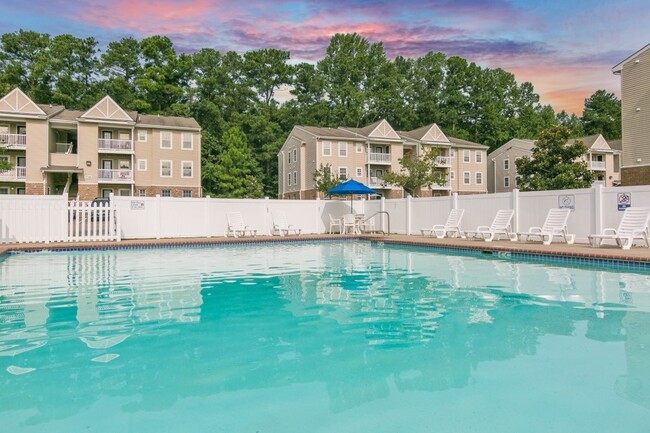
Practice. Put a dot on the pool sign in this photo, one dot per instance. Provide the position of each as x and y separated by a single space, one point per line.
567 202
623 200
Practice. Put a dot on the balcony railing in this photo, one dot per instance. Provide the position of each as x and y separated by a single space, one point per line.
13 141
63 147
17 173
114 145
377 183
117 176
444 186
597 165
443 161
379 158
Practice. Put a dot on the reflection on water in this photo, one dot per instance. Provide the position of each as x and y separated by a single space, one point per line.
153 328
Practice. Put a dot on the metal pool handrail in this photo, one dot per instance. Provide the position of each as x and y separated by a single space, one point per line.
388 220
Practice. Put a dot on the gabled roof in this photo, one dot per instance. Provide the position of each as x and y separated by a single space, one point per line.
596 141
616 144
107 109
380 129
617 69
517 143
429 133
319 132
16 102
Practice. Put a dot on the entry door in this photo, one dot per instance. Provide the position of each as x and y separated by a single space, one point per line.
21 161
107 164
107 135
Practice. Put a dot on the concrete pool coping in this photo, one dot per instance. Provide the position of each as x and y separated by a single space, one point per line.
605 252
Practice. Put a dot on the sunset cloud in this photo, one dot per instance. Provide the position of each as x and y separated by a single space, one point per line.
564 49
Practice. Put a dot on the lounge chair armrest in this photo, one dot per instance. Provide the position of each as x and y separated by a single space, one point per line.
482 229
438 227
609 231
535 230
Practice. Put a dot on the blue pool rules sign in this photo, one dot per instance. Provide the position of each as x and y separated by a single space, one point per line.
623 200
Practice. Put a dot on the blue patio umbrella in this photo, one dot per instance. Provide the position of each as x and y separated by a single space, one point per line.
351 187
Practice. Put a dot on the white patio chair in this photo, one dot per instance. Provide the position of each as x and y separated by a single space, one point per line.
554 226
281 227
500 226
349 223
236 226
336 223
451 228
633 226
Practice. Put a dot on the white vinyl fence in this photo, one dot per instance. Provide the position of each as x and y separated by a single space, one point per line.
53 219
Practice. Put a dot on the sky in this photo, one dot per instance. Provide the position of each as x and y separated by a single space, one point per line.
566 49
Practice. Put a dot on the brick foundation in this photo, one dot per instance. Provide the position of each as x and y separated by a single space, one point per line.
33 188
87 192
635 176
176 191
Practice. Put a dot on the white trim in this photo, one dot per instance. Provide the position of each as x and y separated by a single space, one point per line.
323 148
183 135
171 140
17 92
184 191
452 175
289 157
120 190
467 176
478 156
4 188
343 149
169 192
359 171
146 135
108 116
295 178
289 179
171 167
618 67
506 181
183 169
466 156
506 162
139 165
346 172
358 147
295 155
478 176
142 192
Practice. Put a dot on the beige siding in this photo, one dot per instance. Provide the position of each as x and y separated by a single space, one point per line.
635 108
36 152
152 151
460 167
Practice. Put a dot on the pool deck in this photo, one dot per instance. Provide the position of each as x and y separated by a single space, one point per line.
611 252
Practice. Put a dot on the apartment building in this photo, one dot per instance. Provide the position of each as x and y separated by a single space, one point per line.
95 153
602 160
635 114
366 154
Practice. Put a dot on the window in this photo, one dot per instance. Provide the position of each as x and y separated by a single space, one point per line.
187 193
506 181
466 178
479 156
289 157
295 155
142 135
295 178
343 173
186 168
289 179
359 147
4 190
142 193
343 148
107 135
327 148
123 192
166 193
20 191
187 141
359 172
452 175
165 168
465 155
479 178
106 192
506 164
452 153
142 165
124 164
21 130
165 140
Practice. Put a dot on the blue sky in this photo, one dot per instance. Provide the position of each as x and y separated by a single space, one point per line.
565 48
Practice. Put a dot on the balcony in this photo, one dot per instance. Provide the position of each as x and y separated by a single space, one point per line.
443 161
597 165
110 145
16 174
444 187
378 183
115 176
64 148
379 158
13 141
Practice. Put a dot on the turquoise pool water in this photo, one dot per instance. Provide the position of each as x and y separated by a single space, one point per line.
320 337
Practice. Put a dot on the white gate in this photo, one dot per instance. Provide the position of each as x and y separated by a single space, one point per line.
89 221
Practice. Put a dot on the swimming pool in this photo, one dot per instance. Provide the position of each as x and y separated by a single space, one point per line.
319 337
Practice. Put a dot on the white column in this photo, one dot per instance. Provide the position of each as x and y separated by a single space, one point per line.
515 206
408 214
597 210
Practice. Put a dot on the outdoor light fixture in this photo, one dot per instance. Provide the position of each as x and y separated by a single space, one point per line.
89 163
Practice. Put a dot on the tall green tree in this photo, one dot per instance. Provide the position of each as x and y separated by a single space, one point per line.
235 173
602 115
24 63
555 163
266 70
417 173
325 178
73 67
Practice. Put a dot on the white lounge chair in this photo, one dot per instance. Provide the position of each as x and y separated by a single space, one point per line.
236 226
336 223
554 226
500 226
451 228
281 227
633 226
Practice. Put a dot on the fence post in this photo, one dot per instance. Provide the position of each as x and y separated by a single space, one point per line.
408 214
157 217
454 200
597 208
515 207
319 212
267 210
382 207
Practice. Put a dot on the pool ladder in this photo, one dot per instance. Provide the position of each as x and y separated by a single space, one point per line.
388 222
